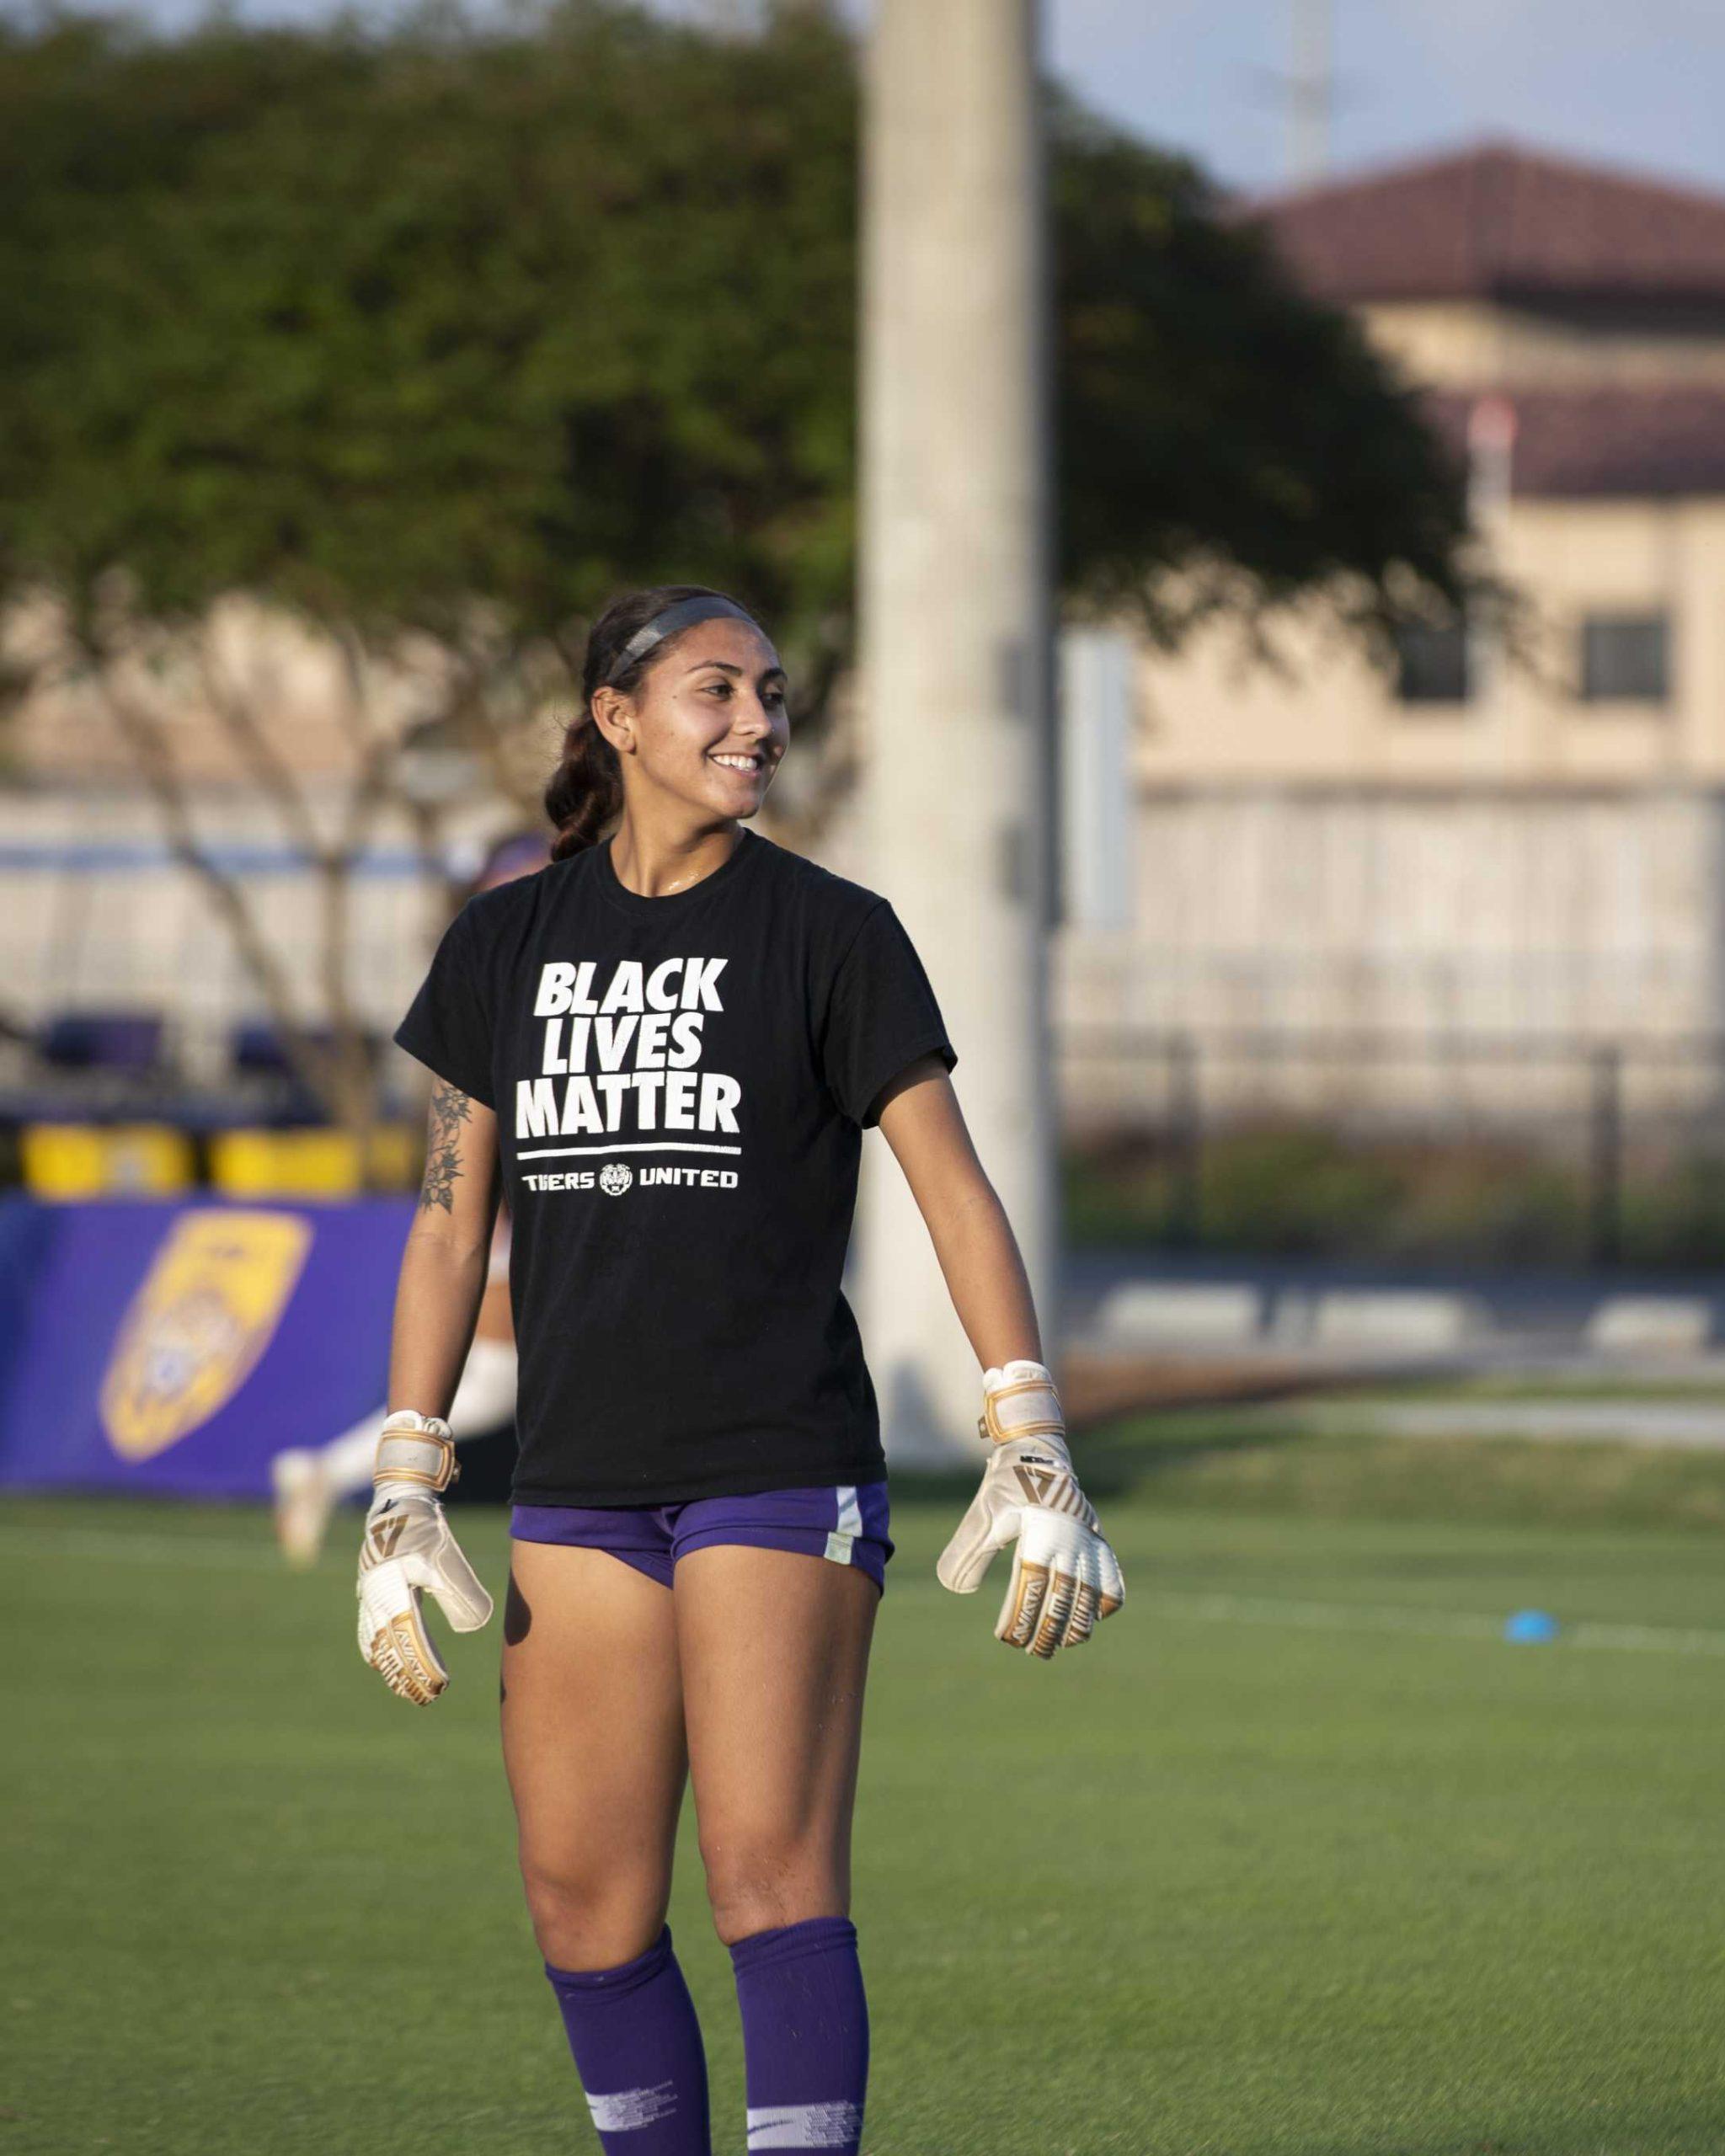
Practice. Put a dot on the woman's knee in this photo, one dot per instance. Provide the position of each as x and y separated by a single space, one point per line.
757 1882
584 1917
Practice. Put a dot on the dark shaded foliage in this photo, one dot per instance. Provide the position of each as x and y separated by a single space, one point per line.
376 320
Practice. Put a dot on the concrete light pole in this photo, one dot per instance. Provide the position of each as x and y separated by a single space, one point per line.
955 621
1311 91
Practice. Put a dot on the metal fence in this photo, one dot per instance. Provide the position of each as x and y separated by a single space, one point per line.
1631 1124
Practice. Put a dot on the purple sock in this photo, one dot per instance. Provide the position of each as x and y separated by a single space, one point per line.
639 2052
805 2034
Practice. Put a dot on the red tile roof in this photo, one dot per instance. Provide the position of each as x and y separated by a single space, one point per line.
1495 220
1603 442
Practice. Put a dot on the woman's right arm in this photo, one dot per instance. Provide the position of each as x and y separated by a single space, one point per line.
448 1250
408 1549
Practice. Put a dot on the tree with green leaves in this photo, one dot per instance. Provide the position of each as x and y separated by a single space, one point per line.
447 329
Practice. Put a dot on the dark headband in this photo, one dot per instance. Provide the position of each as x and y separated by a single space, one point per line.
680 614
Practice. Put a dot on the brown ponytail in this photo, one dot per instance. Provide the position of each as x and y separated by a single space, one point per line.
585 796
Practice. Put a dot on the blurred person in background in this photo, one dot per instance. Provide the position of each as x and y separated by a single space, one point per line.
667 1046
309 1481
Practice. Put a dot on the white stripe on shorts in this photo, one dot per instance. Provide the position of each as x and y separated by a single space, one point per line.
803 2126
850 1523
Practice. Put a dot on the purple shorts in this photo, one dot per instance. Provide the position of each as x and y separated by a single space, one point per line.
846 1523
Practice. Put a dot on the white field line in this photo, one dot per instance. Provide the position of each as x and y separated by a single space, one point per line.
1436 1623
260 1556
167 1549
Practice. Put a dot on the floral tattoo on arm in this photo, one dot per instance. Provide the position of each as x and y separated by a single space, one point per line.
450 1110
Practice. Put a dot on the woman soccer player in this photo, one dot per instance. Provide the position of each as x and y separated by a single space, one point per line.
668 1044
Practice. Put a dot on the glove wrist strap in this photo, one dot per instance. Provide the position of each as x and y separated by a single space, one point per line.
417 1450
1026 1407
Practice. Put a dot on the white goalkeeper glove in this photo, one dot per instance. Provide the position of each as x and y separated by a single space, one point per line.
1066 1578
408 1551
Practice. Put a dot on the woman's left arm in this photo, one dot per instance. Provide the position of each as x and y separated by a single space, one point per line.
1066 1577
973 1238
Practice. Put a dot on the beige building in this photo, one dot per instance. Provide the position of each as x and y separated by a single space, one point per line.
1475 841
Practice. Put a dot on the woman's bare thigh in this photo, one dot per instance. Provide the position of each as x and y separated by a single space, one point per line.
774 1648
593 1745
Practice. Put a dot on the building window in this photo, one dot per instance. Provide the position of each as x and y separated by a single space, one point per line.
1431 663
1625 657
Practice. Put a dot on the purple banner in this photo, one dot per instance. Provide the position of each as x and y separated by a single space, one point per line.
172 1348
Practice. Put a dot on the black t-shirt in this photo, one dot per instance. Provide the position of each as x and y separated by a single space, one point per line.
680 1087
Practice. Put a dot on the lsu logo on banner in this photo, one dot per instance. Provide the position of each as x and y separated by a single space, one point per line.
206 1310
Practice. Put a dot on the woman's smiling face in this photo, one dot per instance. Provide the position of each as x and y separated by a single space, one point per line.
707 724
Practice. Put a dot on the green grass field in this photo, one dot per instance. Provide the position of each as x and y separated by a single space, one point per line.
1300 1858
